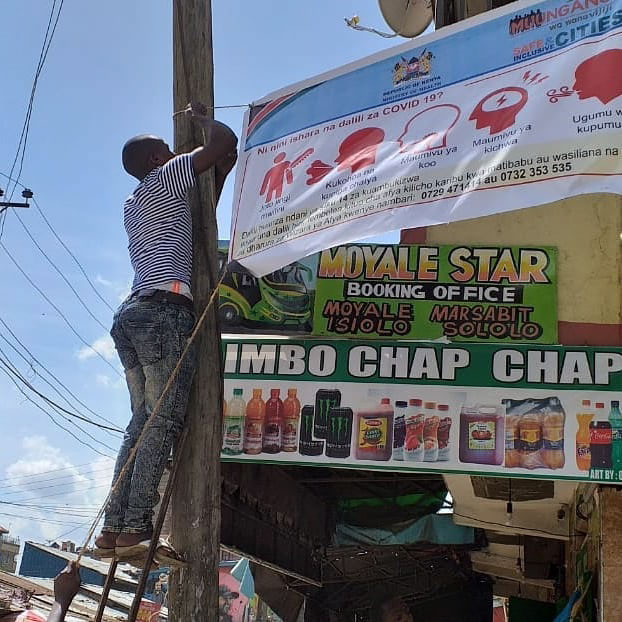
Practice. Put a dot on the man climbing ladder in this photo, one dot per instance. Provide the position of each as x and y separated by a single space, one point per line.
151 327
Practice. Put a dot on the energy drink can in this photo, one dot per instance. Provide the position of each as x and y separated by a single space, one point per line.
325 399
311 448
339 433
306 423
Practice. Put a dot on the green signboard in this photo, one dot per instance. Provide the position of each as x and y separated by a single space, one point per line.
464 293
515 410
427 292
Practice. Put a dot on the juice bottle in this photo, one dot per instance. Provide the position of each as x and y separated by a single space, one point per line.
291 416
399 430
583 454
413 445
430 432
553 435
273 426
233 425
615 419
253 430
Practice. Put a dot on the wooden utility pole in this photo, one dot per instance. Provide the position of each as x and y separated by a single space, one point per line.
196 499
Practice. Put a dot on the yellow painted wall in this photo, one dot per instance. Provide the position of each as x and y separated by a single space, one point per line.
586 229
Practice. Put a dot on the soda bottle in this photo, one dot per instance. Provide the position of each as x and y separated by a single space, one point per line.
233 425
399 430
273 428
253 430
291 415
615 419
584 419
600 440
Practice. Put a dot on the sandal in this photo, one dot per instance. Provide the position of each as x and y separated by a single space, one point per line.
166 555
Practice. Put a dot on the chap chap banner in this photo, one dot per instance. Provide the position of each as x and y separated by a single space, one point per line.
515 108
523 411
463 293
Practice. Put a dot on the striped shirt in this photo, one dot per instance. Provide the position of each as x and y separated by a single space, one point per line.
158 223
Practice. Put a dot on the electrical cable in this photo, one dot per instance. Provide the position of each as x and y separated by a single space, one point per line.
114 432
62 315
77 466
45 48
41 520
51 487
67 512
63 244
44 368
52 479
62 494
47 413
52 403
487 522
61 274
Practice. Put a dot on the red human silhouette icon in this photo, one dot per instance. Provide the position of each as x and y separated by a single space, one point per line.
358 150
600 76
280 173
498 109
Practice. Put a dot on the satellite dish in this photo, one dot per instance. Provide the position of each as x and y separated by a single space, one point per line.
407 18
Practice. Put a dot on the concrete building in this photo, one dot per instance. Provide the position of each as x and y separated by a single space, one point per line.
9 549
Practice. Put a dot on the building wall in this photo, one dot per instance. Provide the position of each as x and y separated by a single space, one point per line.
44 565
586 229
9 549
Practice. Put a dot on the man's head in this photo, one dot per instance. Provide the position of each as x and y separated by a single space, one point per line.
143 153
390 610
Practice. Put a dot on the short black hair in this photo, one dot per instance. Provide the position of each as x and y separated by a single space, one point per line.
136 153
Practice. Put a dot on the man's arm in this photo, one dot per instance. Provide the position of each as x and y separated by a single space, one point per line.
220 140
66 586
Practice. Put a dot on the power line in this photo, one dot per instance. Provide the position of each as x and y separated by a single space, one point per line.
67 492
51 487
53 479
7 371
111 433
61 274
51 402
39 520
60 512
55 307
63 244
40 364
77 466
23 139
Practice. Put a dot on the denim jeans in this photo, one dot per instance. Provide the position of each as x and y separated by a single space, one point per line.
149 337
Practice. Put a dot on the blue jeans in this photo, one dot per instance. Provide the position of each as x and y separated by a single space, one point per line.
149 337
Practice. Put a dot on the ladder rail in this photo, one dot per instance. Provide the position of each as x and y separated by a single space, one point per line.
112 570
157 528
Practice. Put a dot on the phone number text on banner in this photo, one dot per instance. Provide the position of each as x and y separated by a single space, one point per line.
512 109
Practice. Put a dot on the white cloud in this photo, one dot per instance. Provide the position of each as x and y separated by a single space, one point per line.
102 281
106 381
54 493
104 345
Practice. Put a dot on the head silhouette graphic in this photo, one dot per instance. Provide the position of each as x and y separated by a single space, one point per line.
358 150
498 109
600 76
429 128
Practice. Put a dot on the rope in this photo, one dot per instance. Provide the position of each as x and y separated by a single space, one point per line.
150 420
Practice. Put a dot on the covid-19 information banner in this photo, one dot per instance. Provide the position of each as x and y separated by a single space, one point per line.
511 109
523 411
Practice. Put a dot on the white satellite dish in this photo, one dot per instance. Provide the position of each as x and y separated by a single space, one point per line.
407 18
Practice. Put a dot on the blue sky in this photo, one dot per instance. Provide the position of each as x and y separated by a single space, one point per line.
108 76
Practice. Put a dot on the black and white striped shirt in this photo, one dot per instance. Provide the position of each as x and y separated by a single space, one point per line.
158 222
